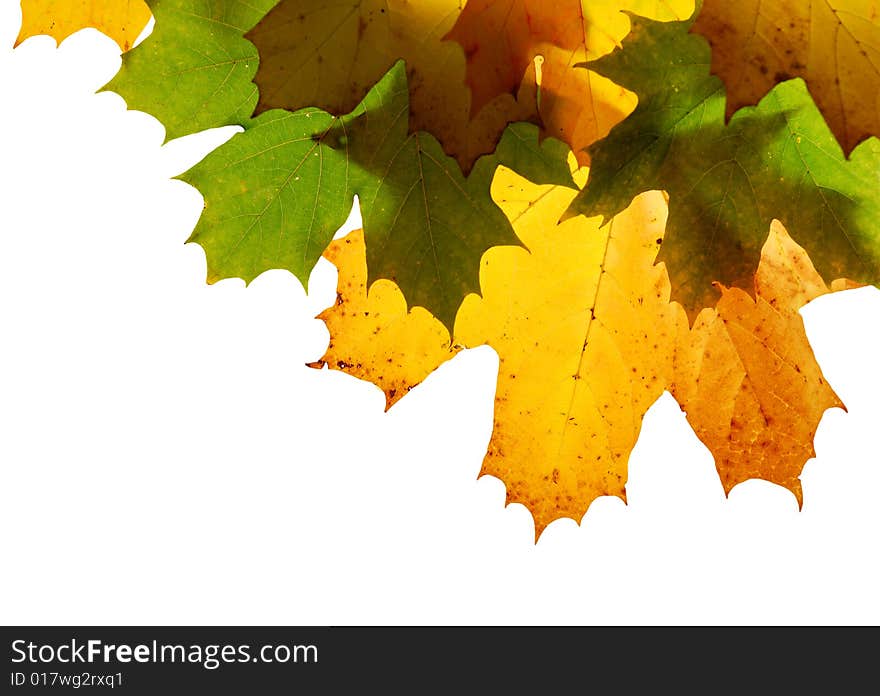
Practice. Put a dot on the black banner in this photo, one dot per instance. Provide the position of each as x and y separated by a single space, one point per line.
165 660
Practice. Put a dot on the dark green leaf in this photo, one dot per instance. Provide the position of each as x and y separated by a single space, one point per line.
276 194
727 182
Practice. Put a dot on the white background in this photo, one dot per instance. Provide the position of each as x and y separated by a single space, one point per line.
167 458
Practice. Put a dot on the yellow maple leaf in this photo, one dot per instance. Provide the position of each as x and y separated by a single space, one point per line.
834 45
587 340
582 325
121 20
747 378
372 334
584 330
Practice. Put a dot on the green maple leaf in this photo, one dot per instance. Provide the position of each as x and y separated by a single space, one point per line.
727 182
276 194
195 70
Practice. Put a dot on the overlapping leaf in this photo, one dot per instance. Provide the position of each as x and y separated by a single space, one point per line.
587 340
276 194
834 45
502 39
406 106
727 182
747 378
121 20
329 55
584 333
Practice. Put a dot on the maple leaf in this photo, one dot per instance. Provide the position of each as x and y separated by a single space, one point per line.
582 326
502 39
194 70
583 329
473 222
373 336
587 340
121 20
330 55
276 193
726 183
746 375
834 45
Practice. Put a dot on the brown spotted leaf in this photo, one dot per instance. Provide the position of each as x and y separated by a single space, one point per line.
584 332
747 378
372 334
833 44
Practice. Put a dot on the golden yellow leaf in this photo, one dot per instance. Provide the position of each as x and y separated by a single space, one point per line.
587 340
372 335
502 39
121 20
747 378
584 332
834 45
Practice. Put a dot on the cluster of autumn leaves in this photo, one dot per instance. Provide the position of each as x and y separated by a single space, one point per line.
522 169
